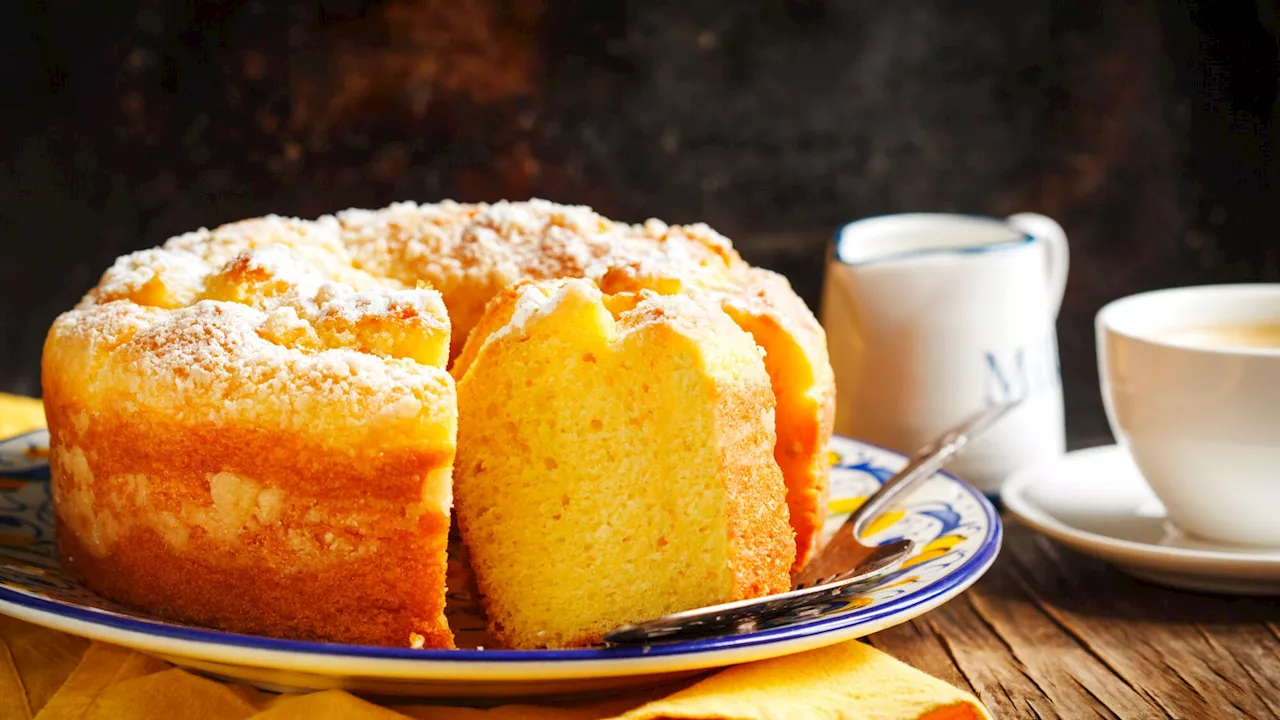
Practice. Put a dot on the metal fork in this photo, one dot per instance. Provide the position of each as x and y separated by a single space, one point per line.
841 568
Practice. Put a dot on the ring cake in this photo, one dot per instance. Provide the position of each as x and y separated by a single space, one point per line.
258 427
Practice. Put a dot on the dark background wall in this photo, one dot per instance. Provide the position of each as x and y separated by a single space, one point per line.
1144 126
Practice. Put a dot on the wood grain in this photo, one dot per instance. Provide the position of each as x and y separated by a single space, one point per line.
1049 633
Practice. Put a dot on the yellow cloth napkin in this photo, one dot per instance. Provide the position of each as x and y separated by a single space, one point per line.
47 675
19 414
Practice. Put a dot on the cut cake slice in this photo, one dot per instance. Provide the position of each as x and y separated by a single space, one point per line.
615 462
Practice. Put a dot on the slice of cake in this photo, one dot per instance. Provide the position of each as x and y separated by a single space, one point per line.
795 357
250 446
615 462
471 252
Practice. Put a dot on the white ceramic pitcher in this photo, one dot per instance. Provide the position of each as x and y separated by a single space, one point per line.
932 316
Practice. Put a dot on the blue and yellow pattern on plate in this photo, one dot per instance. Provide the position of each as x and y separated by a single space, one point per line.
956 530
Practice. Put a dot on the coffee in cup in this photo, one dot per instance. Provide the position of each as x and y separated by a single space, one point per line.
1191 385
1249 335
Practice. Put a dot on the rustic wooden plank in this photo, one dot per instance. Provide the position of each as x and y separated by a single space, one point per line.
1152 638
999 679
1042 670
920 646
1255 653
991 653
1049 633
1078 682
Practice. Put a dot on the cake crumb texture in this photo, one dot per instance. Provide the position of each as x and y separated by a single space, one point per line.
615 463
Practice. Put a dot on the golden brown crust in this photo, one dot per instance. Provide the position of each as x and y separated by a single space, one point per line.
800 372
763 540
250 531
348 603
274 458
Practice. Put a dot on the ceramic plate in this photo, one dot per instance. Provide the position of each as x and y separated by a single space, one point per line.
1096 501
956 530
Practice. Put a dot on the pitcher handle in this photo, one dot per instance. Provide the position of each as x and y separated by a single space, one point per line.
1055 242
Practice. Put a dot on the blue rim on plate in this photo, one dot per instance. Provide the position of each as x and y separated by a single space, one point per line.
962 574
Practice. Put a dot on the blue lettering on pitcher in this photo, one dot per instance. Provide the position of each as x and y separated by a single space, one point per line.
1021 371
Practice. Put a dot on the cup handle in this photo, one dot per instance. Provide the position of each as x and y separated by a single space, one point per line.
1055 241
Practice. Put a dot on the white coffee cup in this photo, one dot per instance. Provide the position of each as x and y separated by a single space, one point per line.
1202 421
932 316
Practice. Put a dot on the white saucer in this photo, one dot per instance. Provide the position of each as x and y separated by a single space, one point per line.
1095 501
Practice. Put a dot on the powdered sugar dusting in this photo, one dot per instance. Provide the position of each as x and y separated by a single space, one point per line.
471 252
208 361
208 307
354 281
535 301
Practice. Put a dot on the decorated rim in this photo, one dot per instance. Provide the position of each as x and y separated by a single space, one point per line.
928 593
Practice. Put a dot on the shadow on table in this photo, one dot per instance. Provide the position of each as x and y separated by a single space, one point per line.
1042 571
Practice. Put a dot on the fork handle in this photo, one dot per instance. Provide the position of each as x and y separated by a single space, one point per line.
927 461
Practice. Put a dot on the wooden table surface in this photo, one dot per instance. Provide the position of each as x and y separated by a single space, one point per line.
1051 633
